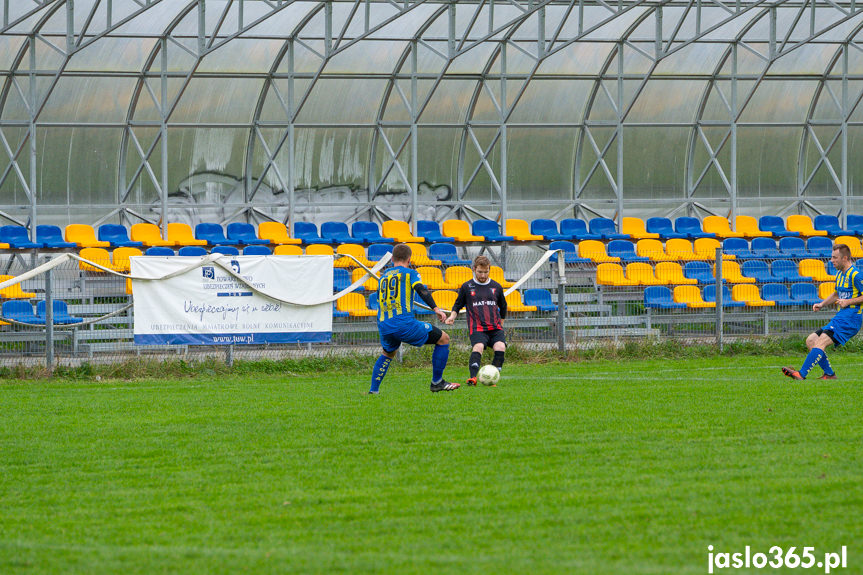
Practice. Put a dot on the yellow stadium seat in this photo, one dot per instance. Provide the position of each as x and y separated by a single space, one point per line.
457 275
121 257
371 284
355 250
826 289
706 249
433 278
643 273
399 231
496 273
851 242
672 273
514 303
691 296
285 250
520 230
149 234
749 293
84 236
720 226
612 275
681 249
460 230
445 299
181 234
595 251
276 232
803 225
14 291
636 228
355 304
319 250
731 273
420 256
99 256
653 249
816 270
4 247
748 226
128 286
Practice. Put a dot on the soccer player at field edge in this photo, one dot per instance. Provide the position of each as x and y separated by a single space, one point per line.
844 325
486 310
397 324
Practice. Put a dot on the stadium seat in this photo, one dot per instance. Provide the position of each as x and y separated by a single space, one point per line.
374 304
805 293
459 230
367 232
341 280
17 237
287 250
515 305
778 293
853 243
377 251
59 312
691 227
244 234
643 274
420 256
814 269
854 223
276 232
700 271
720 226
831 225
654 250
430 230
189 251
625 250
595 251
434 279
159 251
570 252
180 234
750 296
748 226
737 247
636 229
52 237
759 270
775 226
496 273
691 297
519 230
705 249
547 229
786 270
353 250
99 256
540 299
765 248
457 275
399 231
681 250
445 299
660 297
731 273
803 225
20 311
355 305
320 250
490 231
148 234
257 251
609 274
709 294
672 273
576 229
307 232
793 248
225 250
120 258
606 228
825 289
339 313
114 234
338 233
662 226
371 284
14 291
447 254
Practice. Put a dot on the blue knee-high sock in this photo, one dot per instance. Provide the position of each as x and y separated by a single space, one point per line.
378 373
825 365
439 357
813 359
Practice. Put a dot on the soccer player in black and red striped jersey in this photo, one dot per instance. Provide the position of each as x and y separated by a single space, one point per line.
486 310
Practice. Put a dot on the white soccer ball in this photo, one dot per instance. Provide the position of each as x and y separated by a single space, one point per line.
488 375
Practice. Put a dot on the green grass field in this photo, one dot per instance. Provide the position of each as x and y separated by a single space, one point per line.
597 467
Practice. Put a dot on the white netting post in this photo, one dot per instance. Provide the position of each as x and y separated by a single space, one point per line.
561 302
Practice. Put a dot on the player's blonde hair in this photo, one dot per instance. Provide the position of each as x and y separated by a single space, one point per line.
481 262
843 249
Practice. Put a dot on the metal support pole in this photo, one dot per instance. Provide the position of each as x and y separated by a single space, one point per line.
164 136
291 158
734 133
719 302
32 136
229 355
414 148
49 324
561 303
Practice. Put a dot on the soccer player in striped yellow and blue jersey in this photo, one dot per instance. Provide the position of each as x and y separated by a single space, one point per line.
848 296
397 324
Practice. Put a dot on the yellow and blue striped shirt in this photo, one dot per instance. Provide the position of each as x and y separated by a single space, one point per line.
849 284
396 295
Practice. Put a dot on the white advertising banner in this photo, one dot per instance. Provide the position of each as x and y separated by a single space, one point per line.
208 306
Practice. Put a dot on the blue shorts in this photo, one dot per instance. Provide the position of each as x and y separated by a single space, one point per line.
414 332
842 327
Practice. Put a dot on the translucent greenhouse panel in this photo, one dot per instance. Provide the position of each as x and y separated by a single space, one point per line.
77 99
12 187
809 59
148 106
154 22
539 175
449 103
278 24
9 48
337 101
695 59
367 57
579 58
780 101
654 163
218 101
137 184
112 55
242 56
552 101
596 163
330 157
767 161
307 55
667 101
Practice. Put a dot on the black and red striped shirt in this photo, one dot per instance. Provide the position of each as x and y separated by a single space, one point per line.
485 305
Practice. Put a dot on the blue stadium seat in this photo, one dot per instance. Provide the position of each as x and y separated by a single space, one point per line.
547 229
541 298
660 297
373 301
805 293
213 235
337 313
709 293
257 251
662 226
376 251
606 228
570 252
447 253
191 251
701 271
737 247
245 234
765 248
625 250
20 310
759 270
854 223
307 232
786 270
830 224
776 226
793 248
115 234
430 230
52 237
16 237
691 227
490 230
368 232
576 229
338 233
420 310
819 247
162 251
342 280
777 293
60 312
226 250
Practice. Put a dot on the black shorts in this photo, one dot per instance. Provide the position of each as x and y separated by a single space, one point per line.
488 338
828 333
435 334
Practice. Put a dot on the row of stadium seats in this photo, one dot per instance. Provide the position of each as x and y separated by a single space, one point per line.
434 278
752 271
20 310
357 305
742 295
